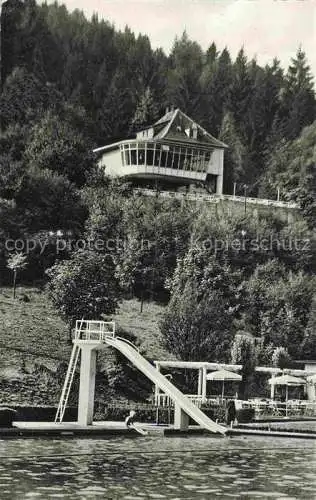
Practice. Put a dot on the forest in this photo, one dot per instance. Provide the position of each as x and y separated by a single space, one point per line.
69 84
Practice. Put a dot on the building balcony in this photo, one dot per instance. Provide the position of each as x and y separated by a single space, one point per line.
154 172
154 159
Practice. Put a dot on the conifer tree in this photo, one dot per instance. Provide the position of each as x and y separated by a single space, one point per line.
240 92
215 83
183 89
235 157
298 98
119 105
146 112
212 54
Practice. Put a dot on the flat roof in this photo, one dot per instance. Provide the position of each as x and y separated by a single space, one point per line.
168 141
195 365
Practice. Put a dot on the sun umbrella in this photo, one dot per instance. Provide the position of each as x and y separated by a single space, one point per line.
224 375
287 380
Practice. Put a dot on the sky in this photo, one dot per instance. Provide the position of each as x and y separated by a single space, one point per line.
266 28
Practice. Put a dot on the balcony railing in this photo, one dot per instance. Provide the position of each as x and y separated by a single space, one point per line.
215 198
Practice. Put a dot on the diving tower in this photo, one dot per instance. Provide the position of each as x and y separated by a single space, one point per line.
91 336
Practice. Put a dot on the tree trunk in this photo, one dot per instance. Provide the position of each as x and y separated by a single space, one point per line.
242 392
69 341
142 302
14 282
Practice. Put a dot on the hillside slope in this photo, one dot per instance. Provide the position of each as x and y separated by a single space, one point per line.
34 342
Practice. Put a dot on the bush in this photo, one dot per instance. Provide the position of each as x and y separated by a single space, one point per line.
245 415
7 415
41 413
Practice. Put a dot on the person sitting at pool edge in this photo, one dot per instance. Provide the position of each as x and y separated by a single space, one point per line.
130 419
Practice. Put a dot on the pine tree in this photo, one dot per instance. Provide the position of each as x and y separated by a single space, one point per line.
72 73
11 15
38 64
260 116
146 112
264 103
235 157
183 89
101 85
298 98
240 93
212 54
117 109
215 82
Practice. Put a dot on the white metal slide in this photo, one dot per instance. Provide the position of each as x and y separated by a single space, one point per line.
164 384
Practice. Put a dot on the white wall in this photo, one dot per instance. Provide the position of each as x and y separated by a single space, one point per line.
111 161
216 167
216 163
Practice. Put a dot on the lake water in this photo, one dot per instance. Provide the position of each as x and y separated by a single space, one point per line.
158 467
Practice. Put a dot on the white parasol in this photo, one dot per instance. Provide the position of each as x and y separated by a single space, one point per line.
287 380
224 375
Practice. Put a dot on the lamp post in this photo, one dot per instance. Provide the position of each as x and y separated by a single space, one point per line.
243 234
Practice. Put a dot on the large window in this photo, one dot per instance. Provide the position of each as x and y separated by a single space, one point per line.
182 158
141 153
157 155
127 157
133 156
150 147
165 156
170 156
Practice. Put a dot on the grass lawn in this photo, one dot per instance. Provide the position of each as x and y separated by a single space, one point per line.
32 326
144 326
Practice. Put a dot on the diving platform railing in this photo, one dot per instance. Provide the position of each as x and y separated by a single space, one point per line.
94 330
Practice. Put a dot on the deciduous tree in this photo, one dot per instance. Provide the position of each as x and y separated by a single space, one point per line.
16 262
84 287
56 146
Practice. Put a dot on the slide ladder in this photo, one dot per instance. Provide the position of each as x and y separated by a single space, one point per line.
130 352
68 383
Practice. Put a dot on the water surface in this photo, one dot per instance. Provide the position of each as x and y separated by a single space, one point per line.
158 467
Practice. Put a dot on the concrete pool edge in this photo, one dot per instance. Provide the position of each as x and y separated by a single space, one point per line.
270 433
99 429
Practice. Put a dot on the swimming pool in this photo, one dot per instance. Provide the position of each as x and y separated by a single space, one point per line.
199 467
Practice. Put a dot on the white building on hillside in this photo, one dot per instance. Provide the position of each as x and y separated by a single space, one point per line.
172 153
